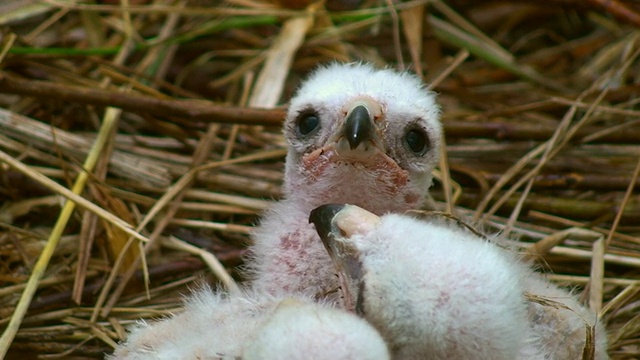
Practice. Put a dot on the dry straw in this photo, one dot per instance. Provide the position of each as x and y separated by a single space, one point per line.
160 121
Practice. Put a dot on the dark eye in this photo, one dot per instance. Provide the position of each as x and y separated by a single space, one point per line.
307 122
417 141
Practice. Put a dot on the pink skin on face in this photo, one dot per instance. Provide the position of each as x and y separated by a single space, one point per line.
378 173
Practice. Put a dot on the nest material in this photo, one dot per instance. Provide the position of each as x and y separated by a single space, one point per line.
174 109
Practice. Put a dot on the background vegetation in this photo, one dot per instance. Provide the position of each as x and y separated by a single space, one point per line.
160 120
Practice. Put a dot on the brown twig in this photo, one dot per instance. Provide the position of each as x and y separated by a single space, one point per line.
200 110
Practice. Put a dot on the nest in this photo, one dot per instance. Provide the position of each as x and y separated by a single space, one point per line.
140 141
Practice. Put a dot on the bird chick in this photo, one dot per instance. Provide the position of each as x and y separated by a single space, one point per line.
358 135
254 326
437 291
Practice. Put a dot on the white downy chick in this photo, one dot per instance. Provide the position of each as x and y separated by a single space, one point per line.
254 326
356 135
438 291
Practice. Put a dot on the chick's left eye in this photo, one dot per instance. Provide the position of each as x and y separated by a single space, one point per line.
417 141
307 123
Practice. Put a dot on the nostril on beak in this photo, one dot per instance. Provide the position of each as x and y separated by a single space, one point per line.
359 126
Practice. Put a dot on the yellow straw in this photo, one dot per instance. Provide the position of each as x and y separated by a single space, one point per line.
110 120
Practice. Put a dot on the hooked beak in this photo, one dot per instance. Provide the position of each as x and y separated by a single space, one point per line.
336 224
358 126
359 137
322 218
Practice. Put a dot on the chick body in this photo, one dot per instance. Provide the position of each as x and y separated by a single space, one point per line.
254 326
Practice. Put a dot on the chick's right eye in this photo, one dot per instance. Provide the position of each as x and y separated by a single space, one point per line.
307 123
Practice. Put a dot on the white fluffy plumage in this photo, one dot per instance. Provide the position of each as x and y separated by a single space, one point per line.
254 326
437 291
303 330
